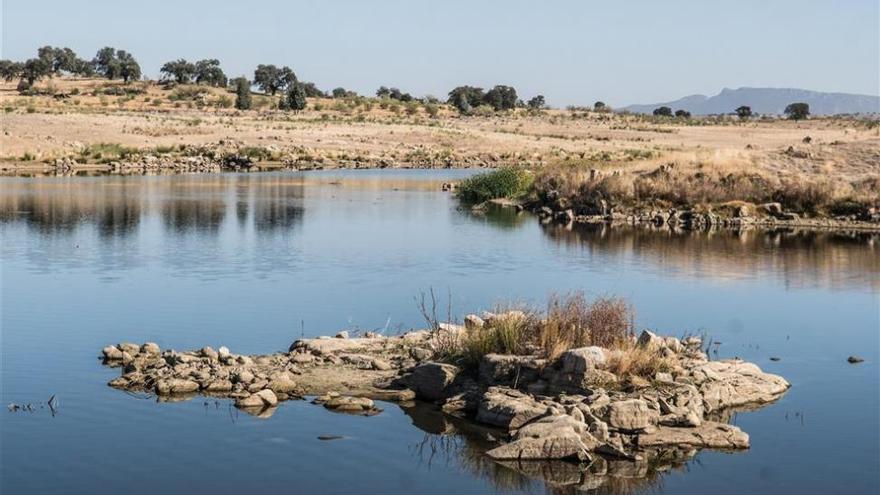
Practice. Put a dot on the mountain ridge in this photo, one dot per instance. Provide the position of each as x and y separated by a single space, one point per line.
768 101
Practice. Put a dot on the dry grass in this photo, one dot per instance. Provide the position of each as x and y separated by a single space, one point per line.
629 359
569 322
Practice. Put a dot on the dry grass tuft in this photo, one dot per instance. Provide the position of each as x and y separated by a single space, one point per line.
629 359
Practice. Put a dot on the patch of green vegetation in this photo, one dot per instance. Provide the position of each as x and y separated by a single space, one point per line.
503 183
107 152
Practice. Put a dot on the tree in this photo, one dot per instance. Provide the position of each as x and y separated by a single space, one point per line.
797 111
64 60
84 68
35 69
342 93
743 112
599 106
466 98
105 63
296 97
208 72
180 70
9 70
383 92
270 79
684 114
537 102
311 90
501 98
663 112
129 69
242 93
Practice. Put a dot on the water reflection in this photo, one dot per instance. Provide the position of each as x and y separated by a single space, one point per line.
460 442
801 258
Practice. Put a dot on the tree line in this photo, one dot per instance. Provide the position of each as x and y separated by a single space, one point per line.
113 63
794 111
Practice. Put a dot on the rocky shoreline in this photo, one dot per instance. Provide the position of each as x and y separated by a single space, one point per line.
570 408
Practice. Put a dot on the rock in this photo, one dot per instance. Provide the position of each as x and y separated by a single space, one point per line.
130 348
263 398
210 353
508 408
112 353
506 369
631 415
732 383
421 354
302 358
283 384
244 376
430 381
649 340
773 209
550 437
219 386
151 349
349 404
854 359
710 435
171 386
580 360
472 322
380 364
223 351
342 335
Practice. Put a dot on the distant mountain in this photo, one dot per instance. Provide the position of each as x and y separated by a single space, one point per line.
768 101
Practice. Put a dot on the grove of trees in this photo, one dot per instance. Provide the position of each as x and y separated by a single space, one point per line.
662 112
467 98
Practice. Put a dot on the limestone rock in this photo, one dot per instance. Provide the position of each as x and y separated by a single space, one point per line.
731 383
173 386
710 435
263 398
430 381
631 415
508 408
582 359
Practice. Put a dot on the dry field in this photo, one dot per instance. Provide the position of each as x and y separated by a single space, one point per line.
88 115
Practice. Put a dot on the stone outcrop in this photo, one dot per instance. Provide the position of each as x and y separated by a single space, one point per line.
572 408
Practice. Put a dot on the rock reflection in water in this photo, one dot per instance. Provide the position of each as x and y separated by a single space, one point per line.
837 260
449 439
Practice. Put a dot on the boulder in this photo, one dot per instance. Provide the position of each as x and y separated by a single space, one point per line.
112 353
709 434
508 408
580 360
283 384
631 415
550 437
171 386
263 398
151 349
732 383
349 404
380 364
430 381
130 348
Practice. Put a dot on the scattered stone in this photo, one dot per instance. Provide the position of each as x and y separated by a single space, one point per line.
854 359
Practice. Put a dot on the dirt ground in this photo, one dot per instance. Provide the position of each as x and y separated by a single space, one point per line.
74 115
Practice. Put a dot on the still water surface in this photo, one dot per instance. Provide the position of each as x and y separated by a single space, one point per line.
254 261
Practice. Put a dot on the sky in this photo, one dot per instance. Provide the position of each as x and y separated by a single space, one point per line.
572 51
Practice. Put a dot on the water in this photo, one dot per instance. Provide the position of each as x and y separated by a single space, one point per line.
254 261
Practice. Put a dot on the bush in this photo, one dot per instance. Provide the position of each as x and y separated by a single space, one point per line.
502 183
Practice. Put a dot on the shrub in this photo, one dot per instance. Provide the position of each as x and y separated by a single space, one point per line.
572 322
502 183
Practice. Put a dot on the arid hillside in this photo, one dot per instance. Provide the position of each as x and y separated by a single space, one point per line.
92 123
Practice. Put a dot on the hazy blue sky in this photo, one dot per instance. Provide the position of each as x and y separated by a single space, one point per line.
571 51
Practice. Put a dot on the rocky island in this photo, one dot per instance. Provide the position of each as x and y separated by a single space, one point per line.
587 406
